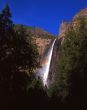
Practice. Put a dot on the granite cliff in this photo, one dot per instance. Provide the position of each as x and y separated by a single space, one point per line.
63 29
65 24
40 37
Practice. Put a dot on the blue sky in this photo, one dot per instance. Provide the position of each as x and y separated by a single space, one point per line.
46 14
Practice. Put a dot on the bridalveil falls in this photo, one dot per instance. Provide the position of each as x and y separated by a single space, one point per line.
43 72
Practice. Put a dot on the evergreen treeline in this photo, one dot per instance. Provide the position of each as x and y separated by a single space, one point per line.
18 60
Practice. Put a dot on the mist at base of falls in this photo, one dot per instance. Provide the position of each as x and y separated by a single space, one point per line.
43 72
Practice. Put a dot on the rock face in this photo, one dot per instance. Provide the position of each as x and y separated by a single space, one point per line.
65 25
63 28
82 13
42 44
40 37
56 53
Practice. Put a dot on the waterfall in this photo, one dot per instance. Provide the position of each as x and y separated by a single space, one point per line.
43 72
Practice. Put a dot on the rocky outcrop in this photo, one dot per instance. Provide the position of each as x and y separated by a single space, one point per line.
66 25
57 47
42 44
63 28
40 37
82 13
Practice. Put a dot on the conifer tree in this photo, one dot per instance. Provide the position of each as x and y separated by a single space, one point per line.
5 18
17 55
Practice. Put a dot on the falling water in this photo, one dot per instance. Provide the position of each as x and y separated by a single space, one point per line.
43 72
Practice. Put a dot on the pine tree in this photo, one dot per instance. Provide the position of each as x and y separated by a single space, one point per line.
18 56
6 18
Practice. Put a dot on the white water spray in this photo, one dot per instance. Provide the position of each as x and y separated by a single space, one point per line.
44 71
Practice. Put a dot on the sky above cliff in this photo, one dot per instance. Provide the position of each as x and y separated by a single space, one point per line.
46 14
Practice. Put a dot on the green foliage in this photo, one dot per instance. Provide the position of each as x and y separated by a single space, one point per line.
18 56
74 56
71 74
26 50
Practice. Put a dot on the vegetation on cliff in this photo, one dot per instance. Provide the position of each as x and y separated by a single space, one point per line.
71 73
35 32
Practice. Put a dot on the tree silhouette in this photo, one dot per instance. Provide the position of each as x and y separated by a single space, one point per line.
18 56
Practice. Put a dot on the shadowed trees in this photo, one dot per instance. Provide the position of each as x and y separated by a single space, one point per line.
18 57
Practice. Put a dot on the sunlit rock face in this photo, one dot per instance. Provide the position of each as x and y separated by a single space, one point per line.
42 44
63 28
65 25
50 70
58 44
40 37
81 13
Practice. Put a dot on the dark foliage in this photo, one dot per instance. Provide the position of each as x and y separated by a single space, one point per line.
18 58
71 75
